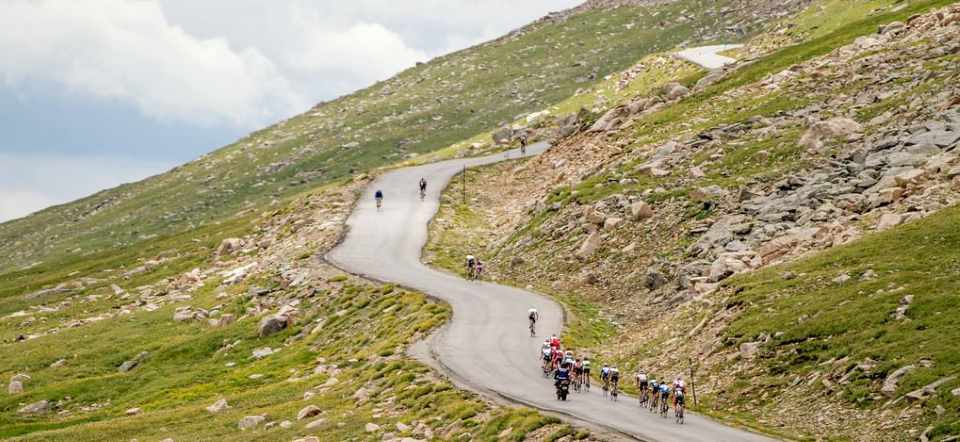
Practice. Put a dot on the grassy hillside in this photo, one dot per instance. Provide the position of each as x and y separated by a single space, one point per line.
802 357
423 109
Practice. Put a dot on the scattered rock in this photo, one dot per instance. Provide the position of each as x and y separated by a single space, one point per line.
127 366
316 423
229 246
640 211
892 381
250 422
218 406
308 412
589 245
133 411
34 408
15 387
371 427
749 350
889 221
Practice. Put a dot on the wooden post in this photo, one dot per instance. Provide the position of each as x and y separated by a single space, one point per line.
693 388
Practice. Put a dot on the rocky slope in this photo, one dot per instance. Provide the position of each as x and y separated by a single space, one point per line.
421 110
649 208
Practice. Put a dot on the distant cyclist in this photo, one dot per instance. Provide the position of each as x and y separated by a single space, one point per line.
523 144
478 270
614 378
679 388
533 316
605 377
471 264
379 196
642 385
586 371
423 188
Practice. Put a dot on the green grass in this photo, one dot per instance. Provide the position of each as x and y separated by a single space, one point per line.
853 320
473 92
186 371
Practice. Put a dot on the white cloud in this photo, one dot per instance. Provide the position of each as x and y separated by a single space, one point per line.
365 50
128 51
31 182
18 203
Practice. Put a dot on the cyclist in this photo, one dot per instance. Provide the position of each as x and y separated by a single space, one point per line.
641 385
379 197
555 341
523 144
605 377
654 392
471 263
423 188
679 388
533 316
614 377
578 371
478 269
664 395
568 357
586 370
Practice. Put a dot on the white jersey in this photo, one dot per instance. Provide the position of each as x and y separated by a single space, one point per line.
642 377
532 313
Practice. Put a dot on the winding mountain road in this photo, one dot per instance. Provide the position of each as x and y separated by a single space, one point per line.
486 346
707 56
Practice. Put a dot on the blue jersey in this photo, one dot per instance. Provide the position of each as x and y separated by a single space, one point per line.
561 374
379 194
604 371
664 389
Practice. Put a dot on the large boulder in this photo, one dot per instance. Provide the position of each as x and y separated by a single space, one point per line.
707 192
308 412
640 210
675 91
250 422
34 408
229 246
821 131
218 406
892 381
15 387
271 324
589 245
503 136
606 121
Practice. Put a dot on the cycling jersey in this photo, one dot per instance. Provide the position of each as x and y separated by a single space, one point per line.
614 375
642 377
604 372
378 194
532 314
562 373
423 184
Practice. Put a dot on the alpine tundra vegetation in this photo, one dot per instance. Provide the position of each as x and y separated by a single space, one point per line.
784 228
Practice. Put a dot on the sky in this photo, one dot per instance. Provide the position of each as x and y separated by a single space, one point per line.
96 93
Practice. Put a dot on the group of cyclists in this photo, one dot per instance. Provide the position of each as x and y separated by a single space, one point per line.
474 268
566 368
378 194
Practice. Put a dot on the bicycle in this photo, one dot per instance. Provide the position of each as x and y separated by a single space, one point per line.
423 194
606 386
679 410
577 383
613 392
654 402
533 328
379 202
664 407
643 398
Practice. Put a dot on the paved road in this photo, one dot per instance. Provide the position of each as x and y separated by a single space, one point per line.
707 57
489 320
